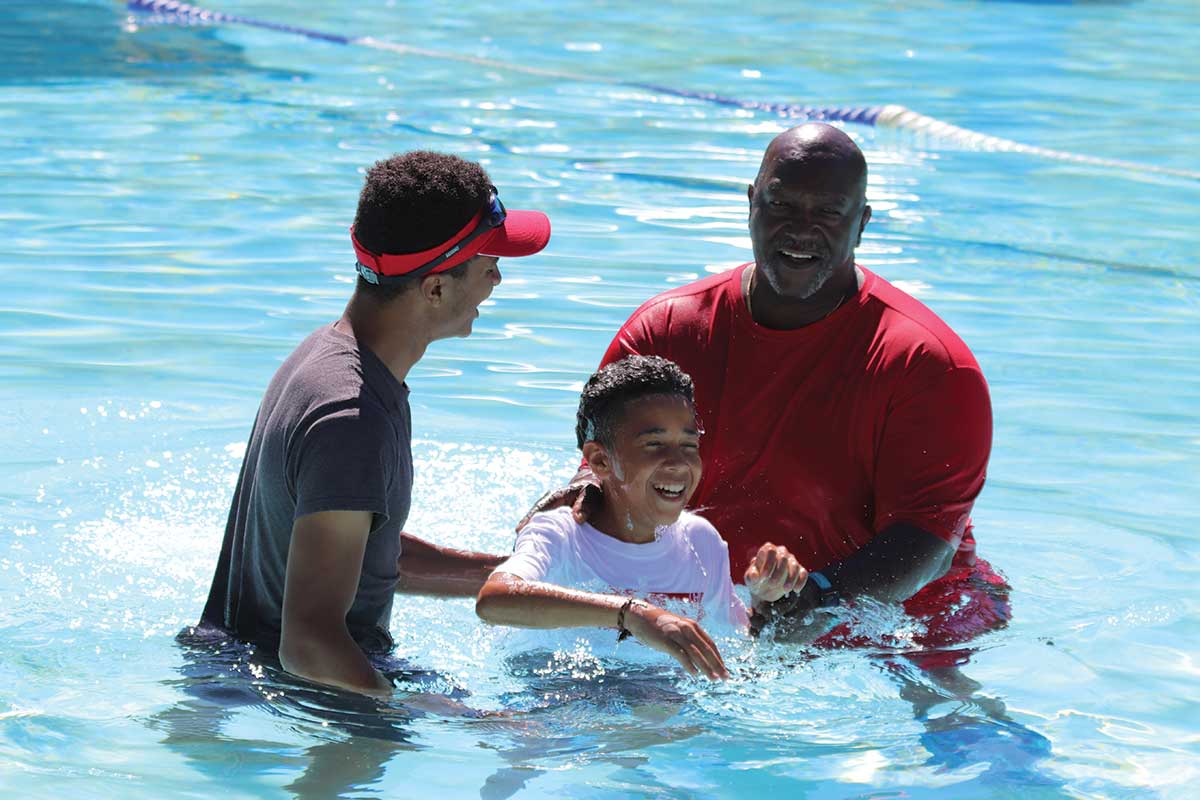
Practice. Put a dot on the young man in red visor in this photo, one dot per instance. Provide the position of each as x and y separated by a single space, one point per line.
311 556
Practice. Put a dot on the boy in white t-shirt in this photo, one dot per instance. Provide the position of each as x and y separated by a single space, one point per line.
638 431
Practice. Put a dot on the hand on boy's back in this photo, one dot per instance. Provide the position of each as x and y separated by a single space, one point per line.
679 637
774 574
582 494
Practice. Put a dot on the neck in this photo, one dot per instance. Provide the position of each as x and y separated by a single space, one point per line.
394 335
616 520
782 313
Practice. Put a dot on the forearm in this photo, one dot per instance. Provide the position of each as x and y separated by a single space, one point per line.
893 566
890 568
327 654
509 600
430 569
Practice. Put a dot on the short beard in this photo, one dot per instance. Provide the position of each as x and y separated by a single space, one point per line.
818 282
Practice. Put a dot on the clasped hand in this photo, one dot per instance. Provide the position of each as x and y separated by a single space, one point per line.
774 574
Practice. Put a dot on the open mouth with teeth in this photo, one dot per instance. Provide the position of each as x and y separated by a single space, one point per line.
671 491
800 257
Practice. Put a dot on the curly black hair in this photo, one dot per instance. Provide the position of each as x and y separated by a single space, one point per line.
613 387
415 201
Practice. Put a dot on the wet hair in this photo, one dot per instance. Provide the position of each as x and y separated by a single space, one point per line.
612 388
413 202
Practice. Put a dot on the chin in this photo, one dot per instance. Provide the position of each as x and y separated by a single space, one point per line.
800 284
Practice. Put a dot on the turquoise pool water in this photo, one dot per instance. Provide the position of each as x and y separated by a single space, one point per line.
172 221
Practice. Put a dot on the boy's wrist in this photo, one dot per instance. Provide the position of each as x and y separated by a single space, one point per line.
627 609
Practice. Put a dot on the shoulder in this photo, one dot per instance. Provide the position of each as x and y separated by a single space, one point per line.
687 300
913 334
701 533
553 526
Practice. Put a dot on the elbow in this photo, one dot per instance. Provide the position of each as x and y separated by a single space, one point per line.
296 654
484 608
494 597
302 643
487 604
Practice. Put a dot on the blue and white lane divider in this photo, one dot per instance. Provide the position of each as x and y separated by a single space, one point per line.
886 116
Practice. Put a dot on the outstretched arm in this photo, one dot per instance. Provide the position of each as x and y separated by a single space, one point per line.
507 599
324 566
430 569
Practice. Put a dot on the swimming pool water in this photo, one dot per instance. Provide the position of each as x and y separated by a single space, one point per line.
173 213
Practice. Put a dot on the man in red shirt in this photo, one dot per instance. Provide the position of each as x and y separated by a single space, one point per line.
843 419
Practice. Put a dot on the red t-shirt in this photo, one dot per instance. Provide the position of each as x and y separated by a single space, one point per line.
820 438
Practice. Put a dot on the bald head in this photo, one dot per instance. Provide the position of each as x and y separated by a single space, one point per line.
814 142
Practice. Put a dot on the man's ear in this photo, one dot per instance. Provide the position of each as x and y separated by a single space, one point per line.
750 193
598 459
862 226
433 288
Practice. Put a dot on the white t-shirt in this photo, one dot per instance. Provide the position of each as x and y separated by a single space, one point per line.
686 569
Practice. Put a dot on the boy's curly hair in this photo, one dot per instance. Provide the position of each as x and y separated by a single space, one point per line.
611 388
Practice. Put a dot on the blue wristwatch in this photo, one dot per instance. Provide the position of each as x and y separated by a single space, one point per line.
827 596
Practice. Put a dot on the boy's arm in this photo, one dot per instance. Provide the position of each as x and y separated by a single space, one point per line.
430 569
507 599
323 569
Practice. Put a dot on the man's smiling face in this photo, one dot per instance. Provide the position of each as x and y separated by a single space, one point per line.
807 212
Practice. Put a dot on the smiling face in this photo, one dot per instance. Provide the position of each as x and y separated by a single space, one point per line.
463 295
807 213
651 468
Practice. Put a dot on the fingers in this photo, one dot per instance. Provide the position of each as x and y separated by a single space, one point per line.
797 577
581 497
586 502
707 658
577 508
774 573
699 659
700 652
679 637
685 660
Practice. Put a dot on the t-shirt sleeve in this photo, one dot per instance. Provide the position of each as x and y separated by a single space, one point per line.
346 462
540 545
720 602
933 455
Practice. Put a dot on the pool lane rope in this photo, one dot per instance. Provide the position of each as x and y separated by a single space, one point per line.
886 116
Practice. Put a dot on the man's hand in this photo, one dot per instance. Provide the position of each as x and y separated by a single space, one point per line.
774 573
679 637
582 494
890 568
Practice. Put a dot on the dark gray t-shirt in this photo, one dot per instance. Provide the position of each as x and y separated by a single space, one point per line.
333 433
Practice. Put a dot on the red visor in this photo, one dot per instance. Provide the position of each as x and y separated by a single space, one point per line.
522 233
